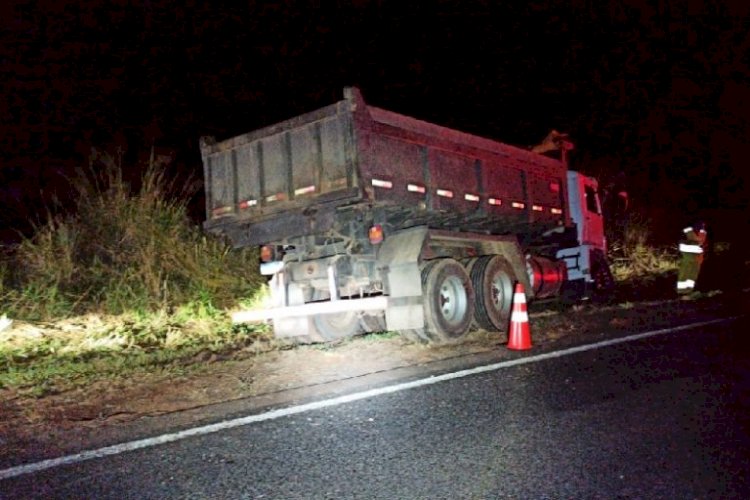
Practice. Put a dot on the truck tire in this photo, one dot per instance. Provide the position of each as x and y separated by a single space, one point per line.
448 299
415 336
604 282
492 279
372 323
572 292
468 265
336 326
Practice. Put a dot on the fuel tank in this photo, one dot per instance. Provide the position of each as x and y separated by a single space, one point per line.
546 276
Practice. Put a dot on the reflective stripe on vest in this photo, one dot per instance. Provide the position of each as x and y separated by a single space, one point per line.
683 285
690 248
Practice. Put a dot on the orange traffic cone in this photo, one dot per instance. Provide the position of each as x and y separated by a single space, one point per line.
519 336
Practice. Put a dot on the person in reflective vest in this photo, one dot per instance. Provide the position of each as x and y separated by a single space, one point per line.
691 248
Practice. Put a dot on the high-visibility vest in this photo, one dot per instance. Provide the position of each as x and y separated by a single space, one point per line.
693 241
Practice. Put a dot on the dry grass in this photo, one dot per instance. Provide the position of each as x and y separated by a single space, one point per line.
122 281
633 257
123 249
54 356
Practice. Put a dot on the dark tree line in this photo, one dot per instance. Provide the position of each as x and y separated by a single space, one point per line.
657 92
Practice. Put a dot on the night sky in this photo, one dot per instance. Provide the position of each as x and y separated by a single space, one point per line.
656 92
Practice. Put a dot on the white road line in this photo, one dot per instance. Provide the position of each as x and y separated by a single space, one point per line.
326 403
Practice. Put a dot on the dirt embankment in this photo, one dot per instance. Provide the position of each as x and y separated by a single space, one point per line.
60 423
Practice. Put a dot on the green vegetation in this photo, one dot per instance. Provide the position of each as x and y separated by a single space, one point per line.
52 357
154 289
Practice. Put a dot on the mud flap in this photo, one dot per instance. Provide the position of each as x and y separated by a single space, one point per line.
398 260
404 313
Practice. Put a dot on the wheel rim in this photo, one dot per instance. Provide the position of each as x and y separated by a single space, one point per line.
497 291
501 290
453 300
448 300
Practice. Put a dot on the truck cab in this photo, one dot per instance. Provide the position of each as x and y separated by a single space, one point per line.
588 271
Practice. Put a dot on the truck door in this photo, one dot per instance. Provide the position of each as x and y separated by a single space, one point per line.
586 210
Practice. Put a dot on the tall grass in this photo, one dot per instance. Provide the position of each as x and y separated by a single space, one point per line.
141 286
123 248
633 256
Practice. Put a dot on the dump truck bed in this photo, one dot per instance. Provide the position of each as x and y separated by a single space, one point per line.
293 178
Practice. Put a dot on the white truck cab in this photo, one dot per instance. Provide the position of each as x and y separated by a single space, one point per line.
586 263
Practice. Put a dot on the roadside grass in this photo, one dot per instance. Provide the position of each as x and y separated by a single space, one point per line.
123 249
634 259
121 282
42 359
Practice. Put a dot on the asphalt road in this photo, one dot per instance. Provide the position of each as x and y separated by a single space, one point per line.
662 417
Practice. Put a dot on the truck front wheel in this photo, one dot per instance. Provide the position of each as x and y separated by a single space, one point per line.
604 282
448 300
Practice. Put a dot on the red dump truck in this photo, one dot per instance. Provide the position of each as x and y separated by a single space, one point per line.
369 220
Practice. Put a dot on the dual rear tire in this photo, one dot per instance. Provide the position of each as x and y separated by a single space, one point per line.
457 297
493 281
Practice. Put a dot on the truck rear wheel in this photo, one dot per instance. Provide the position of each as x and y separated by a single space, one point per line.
448 300
372 323
335 326
415 336
492 279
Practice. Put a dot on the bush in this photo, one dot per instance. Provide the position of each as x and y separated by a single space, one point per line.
123 249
